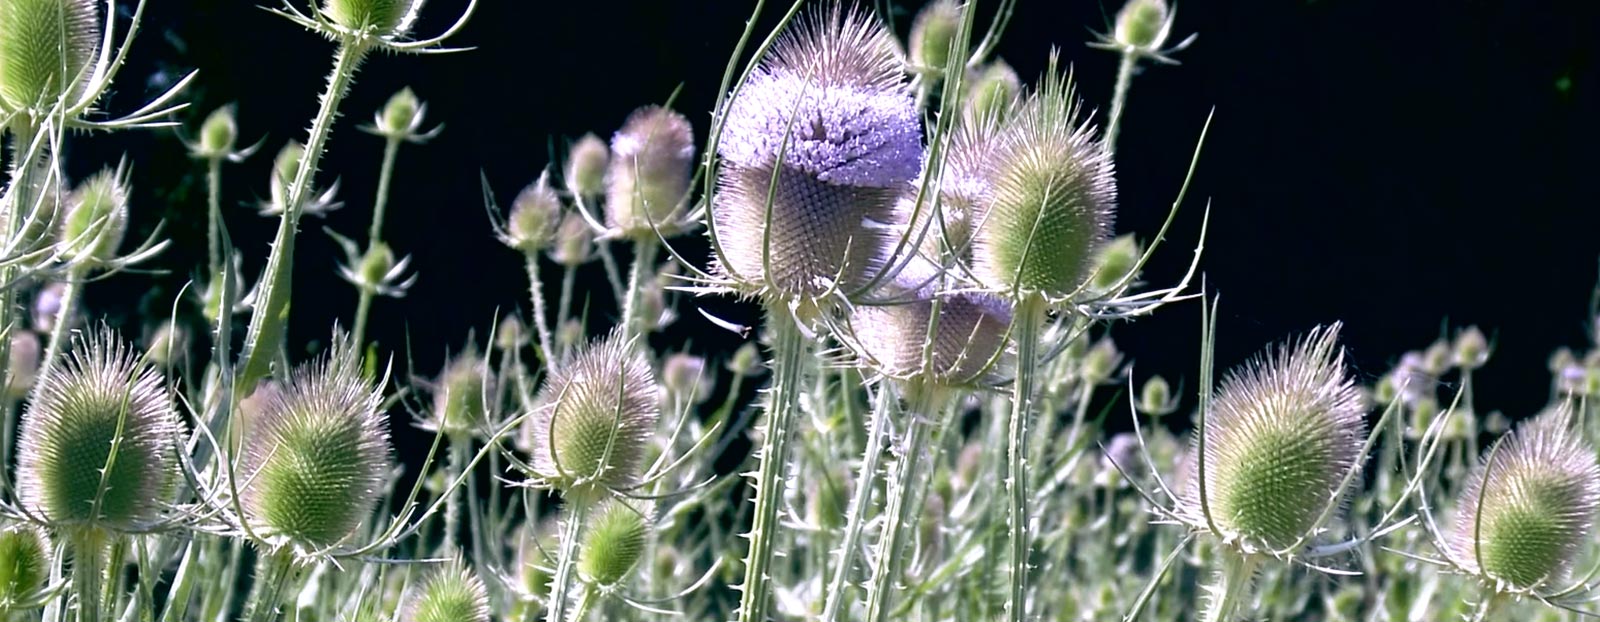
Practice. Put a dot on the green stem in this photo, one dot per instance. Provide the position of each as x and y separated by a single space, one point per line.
856 518
183 583
214 210
275 577
1231 586
541 321
903 504
380 203
88 547
569 278
460 456
363 309
265 335
1028 319
789 351
1487 606
586 600
644 262
14 206
566 562
1119 97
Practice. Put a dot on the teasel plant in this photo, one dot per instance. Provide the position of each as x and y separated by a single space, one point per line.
1139 33
216 142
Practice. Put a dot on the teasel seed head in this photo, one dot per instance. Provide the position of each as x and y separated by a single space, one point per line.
534 218
402 115
992 91
1052 196
382 18
218 134
1471 348
1280 437
450 593
24 368
585 172
963 192
1155 398
459 405
1528 508
48 50
574 241
97 218
1114 263
284 167
315 453
101 397
832 100
647 179
684 378
933 33
594 421
1143 24
615 534
25 560
967 331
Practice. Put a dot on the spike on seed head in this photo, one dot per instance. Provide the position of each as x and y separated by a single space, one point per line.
450 593
596 414
1528 522
1280 437
25 560
652 159
614 538
47 51
102 396
383 18
315 452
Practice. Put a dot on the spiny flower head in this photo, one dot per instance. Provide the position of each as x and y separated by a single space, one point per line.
47 51
459 400
933 32
315 453
97 218
614 537
218 133
1527 509
450 593
963 192
827 129
1051 198
101 398
944 338
1143 24
1281 435
585 172
594 420
534 218
647 180
991 91
383 18
25 559
573 242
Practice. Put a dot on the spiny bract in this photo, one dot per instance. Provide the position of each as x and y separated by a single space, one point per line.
451 593
315 453
594 420
614 538
1527 509
47 50
102 398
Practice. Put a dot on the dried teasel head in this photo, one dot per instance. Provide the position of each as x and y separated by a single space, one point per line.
449 593
48 50
1281 435
615 534
102 398
315 453
823 136
647 178
596 413
1528 508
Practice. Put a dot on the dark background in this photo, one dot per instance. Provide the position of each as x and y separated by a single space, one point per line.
1400 166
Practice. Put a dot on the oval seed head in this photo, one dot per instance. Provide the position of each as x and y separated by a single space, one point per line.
652 158
1155 398
101 397
614 538
218 133
535 215
963 191
585 172
1281 436
1528 521
1143 24
401 115
24 368
97 219
382 18
459 405
574 240
1471 348
992 91
832 101
951 339
596 415
451 593
315 452
1115 262
1052 196
24 566
284 167
933 33
47 51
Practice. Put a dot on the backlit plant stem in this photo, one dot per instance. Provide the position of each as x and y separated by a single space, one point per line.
541 322
856 520
1230 587
380 203
214 213
566 562
644 261
58 331
789 351
1029 318
1119 96
926 404
88 544
275 577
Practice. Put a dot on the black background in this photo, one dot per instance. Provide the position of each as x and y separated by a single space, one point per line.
1395 165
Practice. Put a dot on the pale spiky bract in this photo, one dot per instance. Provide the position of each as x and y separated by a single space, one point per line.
1281 435
614 538
594 420
47 49
1052 197
1528 521
384 18
315 453
102 406
450 593
25 559
652 160
827 129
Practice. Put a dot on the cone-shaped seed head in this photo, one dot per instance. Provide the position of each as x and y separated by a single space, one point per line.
991 91
24 566
97 218
217 134
614 538
585 172
596 414
451 593
933 32
1529 521
1052 196
47 51
384 18
967 333
315 452
535 215
832 100
100 399
652 158
1281 436
458 401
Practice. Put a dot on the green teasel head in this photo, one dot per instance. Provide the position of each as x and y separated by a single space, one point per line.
48 52
1528 508
933 34
615 534
218 134
98 445
449 593
96 219
382 18
535 218
1143 24
596 414
461 395
647 178
1280 437
992 91
315 453
1051 198
25 559
585 170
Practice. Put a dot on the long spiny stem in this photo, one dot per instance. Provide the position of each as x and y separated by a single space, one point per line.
925 406
644 261
1231 586
541 319
566 562
1119 97
380 204
789 350
1028 320
856 519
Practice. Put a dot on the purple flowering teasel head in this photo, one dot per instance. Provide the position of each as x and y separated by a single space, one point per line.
828 130
942 338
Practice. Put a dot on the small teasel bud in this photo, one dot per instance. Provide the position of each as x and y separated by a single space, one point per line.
47 52
383 18
684 378
595 417
459 405
967 334
573 242
511 335
1437 359
615 534
315 453
828 130
450 593
218 133
284 167
376 264
401 116
1528 508
933 34
1143 24
585 172
1052 199
746 361
535 216
1101 361
24 368
569 335
25 560
1155 399
1115 263
652 158
1280 437
97 218
101 398
1471 348
992 91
